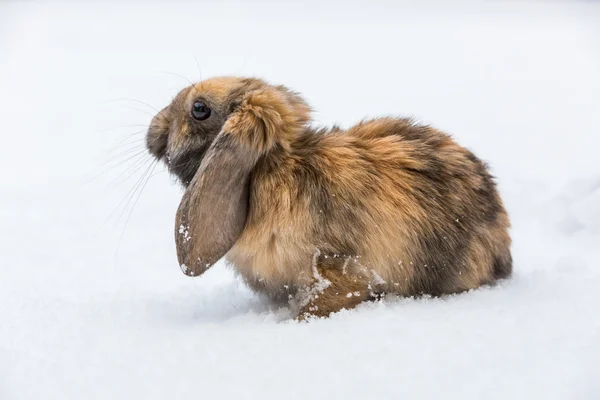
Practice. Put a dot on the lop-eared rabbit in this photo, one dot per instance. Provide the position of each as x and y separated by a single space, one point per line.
325 218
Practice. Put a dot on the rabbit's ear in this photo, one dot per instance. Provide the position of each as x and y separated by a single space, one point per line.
213 210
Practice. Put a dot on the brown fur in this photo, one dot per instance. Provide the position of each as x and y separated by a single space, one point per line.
338 291
385 206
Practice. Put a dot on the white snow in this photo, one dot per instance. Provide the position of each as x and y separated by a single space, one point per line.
184 268
92 304
183 230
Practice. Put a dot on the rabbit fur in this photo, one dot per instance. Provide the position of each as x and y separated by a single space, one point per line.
326 218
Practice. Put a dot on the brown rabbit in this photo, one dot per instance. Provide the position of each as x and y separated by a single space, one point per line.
326 218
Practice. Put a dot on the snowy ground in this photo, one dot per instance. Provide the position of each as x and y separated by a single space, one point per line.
93 309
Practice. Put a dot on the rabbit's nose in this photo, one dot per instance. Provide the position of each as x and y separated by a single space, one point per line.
156 140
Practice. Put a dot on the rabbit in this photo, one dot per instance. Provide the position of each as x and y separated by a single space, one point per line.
325 219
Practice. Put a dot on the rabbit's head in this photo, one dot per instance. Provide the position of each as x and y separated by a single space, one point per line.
211 137
181 133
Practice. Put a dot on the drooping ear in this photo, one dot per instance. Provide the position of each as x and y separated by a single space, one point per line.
213 210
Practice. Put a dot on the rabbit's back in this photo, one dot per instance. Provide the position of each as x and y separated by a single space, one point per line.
400 202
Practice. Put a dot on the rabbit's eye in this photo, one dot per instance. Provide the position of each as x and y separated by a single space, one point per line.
200 111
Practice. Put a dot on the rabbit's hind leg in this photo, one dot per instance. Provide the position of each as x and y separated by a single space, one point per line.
333 290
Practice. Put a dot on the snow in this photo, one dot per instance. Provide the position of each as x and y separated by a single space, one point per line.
92 304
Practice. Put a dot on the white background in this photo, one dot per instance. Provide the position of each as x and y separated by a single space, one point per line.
92 302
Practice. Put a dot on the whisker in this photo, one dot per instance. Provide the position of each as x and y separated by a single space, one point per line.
185 163
127 147
199 71
126 126
157 173
140 102
179 75
118 159
122 143
127 198
146 176
237 71
112 213
141 111
131 193
131 135
105 167
133 168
